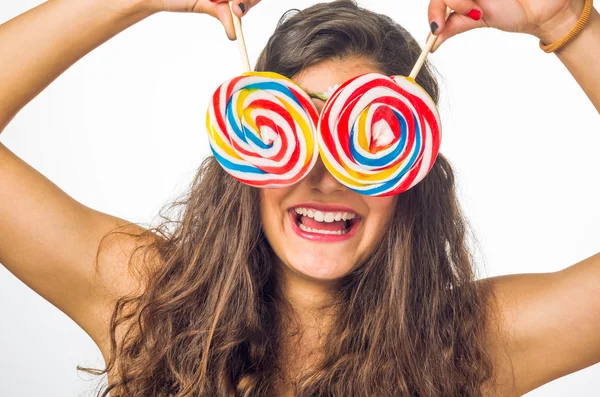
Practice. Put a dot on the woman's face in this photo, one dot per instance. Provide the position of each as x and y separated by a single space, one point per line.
307 244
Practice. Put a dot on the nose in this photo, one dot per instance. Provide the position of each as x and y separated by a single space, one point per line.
319 178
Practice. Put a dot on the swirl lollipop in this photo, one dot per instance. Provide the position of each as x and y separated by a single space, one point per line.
262 127
380 135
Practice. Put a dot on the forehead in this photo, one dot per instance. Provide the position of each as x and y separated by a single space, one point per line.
321 77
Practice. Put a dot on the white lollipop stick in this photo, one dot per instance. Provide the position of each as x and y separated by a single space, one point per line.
237 24
428 47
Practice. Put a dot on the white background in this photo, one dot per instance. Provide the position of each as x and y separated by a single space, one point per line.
122 131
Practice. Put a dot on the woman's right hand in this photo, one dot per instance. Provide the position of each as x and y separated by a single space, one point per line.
215 8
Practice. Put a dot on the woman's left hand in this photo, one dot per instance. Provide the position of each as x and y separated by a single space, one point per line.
548 20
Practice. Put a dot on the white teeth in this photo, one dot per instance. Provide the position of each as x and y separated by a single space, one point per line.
321 216
310 229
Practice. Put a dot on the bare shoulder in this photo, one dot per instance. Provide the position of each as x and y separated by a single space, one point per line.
125 259
544 325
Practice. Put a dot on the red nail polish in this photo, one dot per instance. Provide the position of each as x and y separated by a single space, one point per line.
474 14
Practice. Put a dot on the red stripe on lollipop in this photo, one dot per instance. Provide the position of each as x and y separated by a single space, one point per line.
384 114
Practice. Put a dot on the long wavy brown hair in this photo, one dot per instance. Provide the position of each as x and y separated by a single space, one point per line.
411 321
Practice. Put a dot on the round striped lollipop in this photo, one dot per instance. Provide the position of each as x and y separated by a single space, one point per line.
262 129
379 135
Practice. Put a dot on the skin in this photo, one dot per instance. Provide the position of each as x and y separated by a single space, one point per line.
550 321
311 269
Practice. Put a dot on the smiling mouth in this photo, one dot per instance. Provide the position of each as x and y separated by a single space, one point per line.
334 228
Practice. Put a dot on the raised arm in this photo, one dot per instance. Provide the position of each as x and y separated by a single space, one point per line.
581 56
549 323
47 239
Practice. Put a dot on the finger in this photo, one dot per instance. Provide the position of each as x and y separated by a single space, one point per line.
437 12
456 24
223 14
241 7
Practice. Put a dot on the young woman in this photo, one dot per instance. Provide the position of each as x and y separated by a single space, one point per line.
233 300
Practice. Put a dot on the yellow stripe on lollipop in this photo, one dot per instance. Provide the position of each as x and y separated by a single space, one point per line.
247 117
379 176
362 126
239 105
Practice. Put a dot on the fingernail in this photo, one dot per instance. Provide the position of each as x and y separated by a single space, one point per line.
474 14
434 27
242 7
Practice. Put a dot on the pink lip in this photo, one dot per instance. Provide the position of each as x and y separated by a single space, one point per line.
323 238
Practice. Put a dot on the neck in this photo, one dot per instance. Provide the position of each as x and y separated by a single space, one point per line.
309 299
305 329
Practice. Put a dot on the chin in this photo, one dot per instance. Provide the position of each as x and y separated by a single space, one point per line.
321 268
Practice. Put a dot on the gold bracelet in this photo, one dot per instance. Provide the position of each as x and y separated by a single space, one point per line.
585 16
